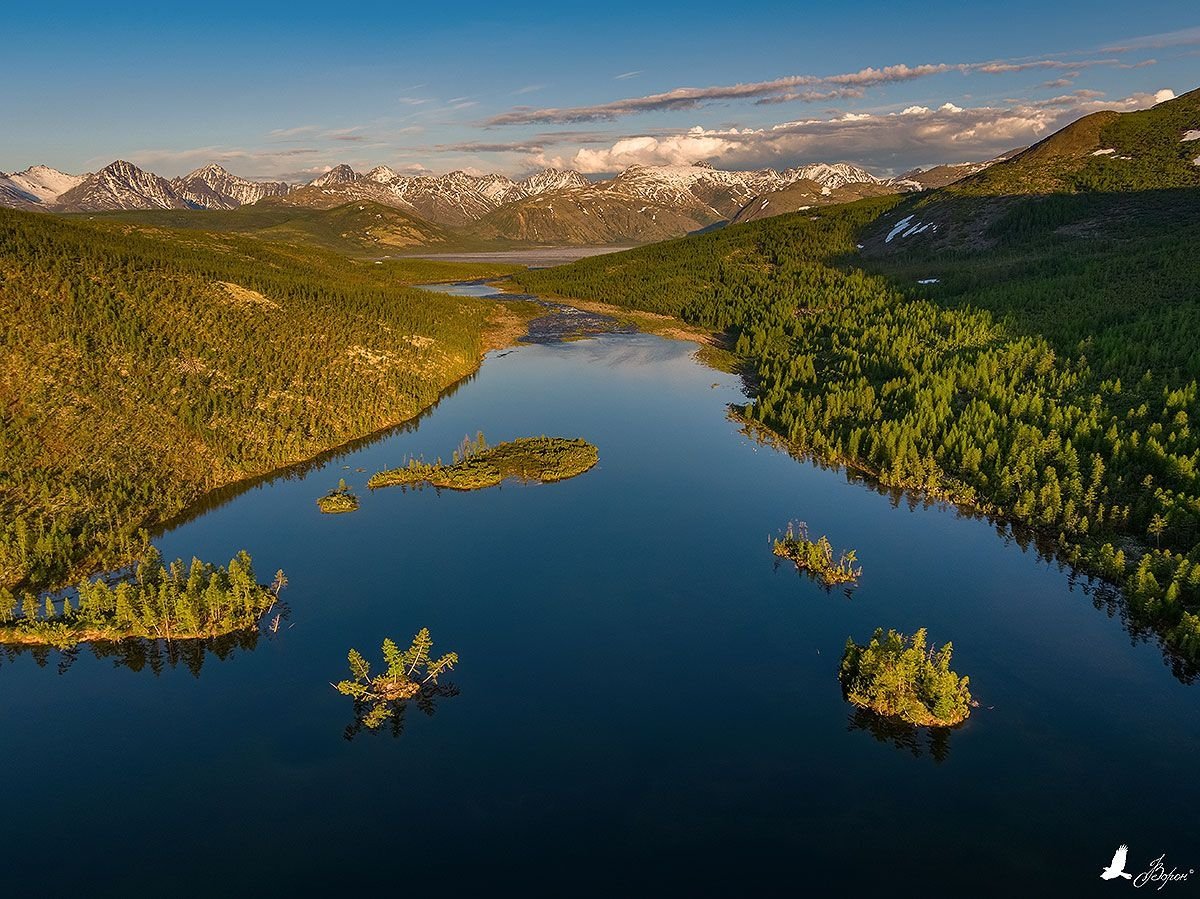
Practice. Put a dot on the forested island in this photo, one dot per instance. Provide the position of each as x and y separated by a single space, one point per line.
904 677
476 465
161 602
815 557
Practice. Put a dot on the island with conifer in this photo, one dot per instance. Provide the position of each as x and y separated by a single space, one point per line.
476 465
815 557
338 500
408 674
905 677
159 602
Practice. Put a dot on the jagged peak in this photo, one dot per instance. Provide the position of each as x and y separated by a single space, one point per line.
383 174
339 174
213 169
122 165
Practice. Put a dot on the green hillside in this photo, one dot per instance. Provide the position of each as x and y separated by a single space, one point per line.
361 228
139 370
1050 377
1105 151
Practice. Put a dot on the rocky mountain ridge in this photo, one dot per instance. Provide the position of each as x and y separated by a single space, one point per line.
638 204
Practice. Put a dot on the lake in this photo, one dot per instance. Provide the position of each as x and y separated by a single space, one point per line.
646 700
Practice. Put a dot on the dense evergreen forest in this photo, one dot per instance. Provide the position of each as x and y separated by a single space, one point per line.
157 602
904 677
1050 378
141 368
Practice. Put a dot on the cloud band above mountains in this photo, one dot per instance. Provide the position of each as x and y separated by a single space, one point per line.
892 141
802 88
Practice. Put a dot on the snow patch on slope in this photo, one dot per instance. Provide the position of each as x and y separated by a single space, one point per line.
899 226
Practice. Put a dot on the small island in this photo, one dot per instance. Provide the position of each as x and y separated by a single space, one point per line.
815 558
157 602
903 677
338 500
477 465
409 673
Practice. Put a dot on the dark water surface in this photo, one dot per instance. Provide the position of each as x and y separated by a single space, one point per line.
648 703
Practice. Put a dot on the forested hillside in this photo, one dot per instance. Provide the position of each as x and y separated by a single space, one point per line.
1050 377
361 228
140 369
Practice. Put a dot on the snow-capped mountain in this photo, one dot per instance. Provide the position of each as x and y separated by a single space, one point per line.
715 194
383 174
212 187
547 181
121 185
831 176
452 199
455 199
41 184
553 205
339 174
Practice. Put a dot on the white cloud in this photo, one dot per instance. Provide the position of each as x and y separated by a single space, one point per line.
805 88
680 149
918 135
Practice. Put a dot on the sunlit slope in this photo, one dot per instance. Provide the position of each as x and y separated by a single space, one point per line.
359 228
1105 151
139 370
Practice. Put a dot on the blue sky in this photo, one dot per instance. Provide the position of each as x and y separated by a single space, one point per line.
289 90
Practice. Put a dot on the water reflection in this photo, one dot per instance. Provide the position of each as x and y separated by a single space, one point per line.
562 322
214 499
138 654
920 741
425 701
1105 596
846 590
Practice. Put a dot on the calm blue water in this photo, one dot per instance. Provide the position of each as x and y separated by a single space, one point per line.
648 703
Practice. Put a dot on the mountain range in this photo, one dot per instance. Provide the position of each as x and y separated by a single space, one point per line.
1149 149
640 204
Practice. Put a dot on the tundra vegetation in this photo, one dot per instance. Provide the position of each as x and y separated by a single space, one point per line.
476 465
906 678
338 500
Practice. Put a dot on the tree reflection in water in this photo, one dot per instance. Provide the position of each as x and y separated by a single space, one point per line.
918 740
425 700
139 654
